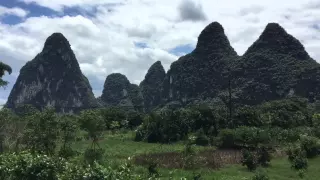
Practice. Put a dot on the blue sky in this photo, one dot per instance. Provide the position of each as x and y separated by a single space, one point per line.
128 36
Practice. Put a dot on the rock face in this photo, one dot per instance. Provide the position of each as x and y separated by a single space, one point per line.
53 78
118 91
151 86
274 67
199 75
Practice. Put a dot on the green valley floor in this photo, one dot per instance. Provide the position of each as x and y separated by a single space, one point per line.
120 147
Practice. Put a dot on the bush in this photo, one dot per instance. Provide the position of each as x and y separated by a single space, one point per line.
264 156
310 145
250 136
226 138
42 132
287 113
112 116
249 159
92 122
248 116
201 139
260 175
134 119
30 167
297 157
163 127
93 155
243 137
27 166
67 152
299 163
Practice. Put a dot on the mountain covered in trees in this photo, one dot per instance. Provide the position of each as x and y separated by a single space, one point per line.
119 92
199 75
151 86
53 78
275 66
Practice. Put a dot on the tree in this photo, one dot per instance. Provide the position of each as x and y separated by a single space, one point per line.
92 122
42 132
69 127
4 67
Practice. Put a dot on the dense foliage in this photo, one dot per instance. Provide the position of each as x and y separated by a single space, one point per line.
151 86
118 91
26 166
3 68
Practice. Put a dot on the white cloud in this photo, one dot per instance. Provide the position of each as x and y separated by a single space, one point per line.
104 43
58 5
13 11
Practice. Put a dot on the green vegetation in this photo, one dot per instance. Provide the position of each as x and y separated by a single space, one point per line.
3 68
198 142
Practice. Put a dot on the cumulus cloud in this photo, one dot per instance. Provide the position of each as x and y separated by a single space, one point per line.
189 10
106 42
13 11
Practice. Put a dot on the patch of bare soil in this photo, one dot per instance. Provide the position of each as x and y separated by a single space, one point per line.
205 159
213 159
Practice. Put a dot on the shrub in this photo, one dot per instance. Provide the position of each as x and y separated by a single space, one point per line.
316 120
188 156
30 167
244 137
92 122
163 127
297 157
69 128
260 175
112 116
42 132
201 139
249 159
27 166
287 113
134 119
93 155
310 145
247 116
299 163
264 156
67 152
226 138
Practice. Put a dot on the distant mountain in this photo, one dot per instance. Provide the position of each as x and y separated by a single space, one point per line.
118 91
151 86
274 67
53 78
200 75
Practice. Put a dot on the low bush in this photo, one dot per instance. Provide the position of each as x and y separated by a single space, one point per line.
297 157
201 138
249 159
226 138
310 145
260 175
264 156
27 166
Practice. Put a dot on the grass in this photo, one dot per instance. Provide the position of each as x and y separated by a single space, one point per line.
119 147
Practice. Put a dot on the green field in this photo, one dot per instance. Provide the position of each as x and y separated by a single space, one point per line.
120 146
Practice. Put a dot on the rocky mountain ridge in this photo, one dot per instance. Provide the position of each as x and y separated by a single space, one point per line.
53 78
275 66
118 91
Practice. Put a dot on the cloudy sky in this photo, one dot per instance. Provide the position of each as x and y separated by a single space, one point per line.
127 36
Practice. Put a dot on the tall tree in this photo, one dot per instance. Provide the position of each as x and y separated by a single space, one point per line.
4 67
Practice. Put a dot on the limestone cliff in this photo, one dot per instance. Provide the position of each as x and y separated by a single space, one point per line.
53 78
